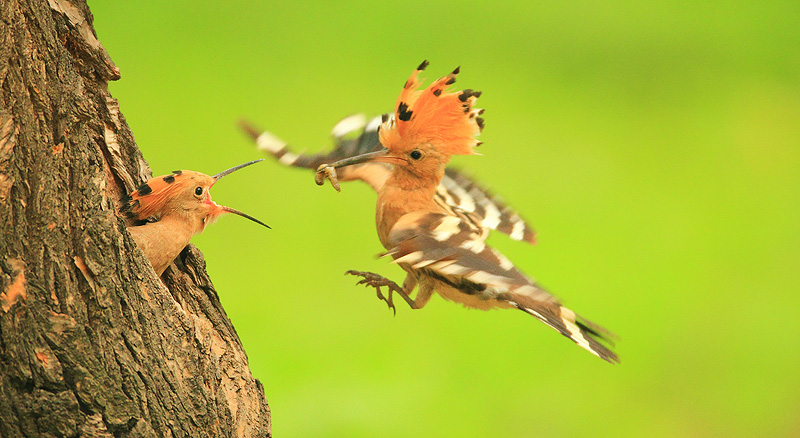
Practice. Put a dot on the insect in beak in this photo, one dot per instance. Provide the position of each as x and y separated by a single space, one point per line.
328 171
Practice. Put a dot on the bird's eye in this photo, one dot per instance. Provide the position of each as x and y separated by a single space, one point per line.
198 191
416 155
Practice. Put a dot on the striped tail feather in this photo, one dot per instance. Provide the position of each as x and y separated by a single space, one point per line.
583 332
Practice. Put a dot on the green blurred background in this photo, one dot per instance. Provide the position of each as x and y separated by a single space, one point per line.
655 147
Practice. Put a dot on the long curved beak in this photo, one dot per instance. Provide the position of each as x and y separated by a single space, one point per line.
245 215
328 171
219 176
382 156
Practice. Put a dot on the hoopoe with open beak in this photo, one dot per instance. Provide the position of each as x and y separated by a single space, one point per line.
441 252
166 211
457 193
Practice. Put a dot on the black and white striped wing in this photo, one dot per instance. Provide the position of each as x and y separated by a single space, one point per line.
452 248
458 191
452 251
353 135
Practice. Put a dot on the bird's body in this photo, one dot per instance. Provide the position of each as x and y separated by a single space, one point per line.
166 211
439 250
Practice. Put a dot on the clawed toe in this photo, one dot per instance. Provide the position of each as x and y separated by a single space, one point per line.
377 281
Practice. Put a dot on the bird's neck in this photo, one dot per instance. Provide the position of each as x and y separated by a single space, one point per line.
162 241
402 194
191 221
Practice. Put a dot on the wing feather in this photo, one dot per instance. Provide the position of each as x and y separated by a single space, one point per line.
452 251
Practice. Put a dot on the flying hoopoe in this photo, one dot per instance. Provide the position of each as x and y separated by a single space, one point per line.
457 193
441 252
166 211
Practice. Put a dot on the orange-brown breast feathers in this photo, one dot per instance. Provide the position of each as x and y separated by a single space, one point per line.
152 197
444 119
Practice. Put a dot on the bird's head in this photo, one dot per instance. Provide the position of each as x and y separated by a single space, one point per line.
427 128
183 193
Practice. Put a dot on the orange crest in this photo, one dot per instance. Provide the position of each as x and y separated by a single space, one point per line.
446 120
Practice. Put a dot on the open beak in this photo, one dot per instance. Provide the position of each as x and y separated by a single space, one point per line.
245 215
225 209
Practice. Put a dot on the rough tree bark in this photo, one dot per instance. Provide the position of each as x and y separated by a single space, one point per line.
92 343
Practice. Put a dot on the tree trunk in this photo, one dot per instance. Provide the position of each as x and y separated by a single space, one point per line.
92 342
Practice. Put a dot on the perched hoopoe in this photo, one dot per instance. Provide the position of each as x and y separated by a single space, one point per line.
166 211
458 194
439 251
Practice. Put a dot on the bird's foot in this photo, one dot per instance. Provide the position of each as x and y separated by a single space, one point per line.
377 281
326 171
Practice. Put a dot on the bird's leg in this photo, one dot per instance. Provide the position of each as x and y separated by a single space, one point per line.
377 281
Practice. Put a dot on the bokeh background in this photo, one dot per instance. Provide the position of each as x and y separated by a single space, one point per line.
655 146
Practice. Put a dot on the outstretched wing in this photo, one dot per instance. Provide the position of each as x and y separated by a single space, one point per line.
353 136
453 252
458 194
